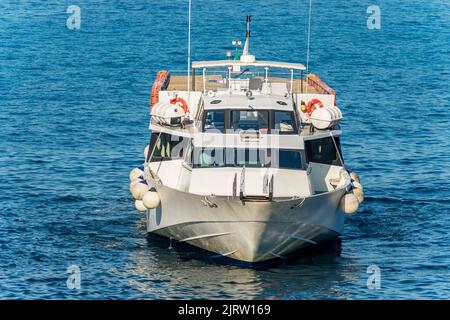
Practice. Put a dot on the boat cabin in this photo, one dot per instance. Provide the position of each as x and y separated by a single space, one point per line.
245 128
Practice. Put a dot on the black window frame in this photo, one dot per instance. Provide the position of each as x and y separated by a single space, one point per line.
301 161
155 136
226 119
293 119
270 130
310 157
270 164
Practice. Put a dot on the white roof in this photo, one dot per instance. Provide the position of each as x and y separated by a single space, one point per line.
227 63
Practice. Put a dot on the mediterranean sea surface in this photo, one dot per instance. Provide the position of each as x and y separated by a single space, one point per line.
74 122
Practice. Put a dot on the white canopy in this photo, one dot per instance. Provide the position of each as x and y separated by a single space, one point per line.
230 63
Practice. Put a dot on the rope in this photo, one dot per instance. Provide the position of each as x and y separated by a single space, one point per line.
309 35
148 172
340 159
189 54
338 152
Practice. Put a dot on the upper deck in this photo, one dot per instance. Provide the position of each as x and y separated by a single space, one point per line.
243 94
215 80
239 87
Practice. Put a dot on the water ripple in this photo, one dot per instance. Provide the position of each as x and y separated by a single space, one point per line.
74 121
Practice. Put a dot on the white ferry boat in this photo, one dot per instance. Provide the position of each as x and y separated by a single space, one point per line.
244 159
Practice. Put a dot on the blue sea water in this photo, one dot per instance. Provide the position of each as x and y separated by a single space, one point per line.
74 118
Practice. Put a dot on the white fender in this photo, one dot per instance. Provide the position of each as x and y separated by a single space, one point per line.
136 173
358 190
139 206
349 203
151 199
139 189
132 184
358 185
355 176
359 193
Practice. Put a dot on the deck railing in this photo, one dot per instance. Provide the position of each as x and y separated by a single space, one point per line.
210 79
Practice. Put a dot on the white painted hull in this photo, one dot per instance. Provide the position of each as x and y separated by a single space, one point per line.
251 232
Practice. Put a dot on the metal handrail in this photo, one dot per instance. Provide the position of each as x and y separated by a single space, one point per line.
261 74
321 85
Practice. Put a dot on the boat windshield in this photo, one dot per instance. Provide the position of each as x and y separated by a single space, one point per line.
250 120
263 121
250 158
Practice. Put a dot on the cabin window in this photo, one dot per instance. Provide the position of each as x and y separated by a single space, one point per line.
252 158
230 157
215 121
286 159
166 147
249 157
250 120
209 157
323 151
284 122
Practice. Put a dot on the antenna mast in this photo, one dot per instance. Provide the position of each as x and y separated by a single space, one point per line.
246 56
247 36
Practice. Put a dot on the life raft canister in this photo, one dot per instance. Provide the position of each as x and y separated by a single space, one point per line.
313 105
181 102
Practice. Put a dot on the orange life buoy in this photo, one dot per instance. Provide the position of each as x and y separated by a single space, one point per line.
313 105
181 101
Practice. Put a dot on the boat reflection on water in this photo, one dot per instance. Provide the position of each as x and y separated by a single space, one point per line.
327 249
165 270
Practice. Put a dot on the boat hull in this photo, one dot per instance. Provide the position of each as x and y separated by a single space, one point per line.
246 231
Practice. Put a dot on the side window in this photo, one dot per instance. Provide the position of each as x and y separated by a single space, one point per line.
215 121
166 147
290 159
252 158
156 155
284 122
323 151
286 159
208 157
